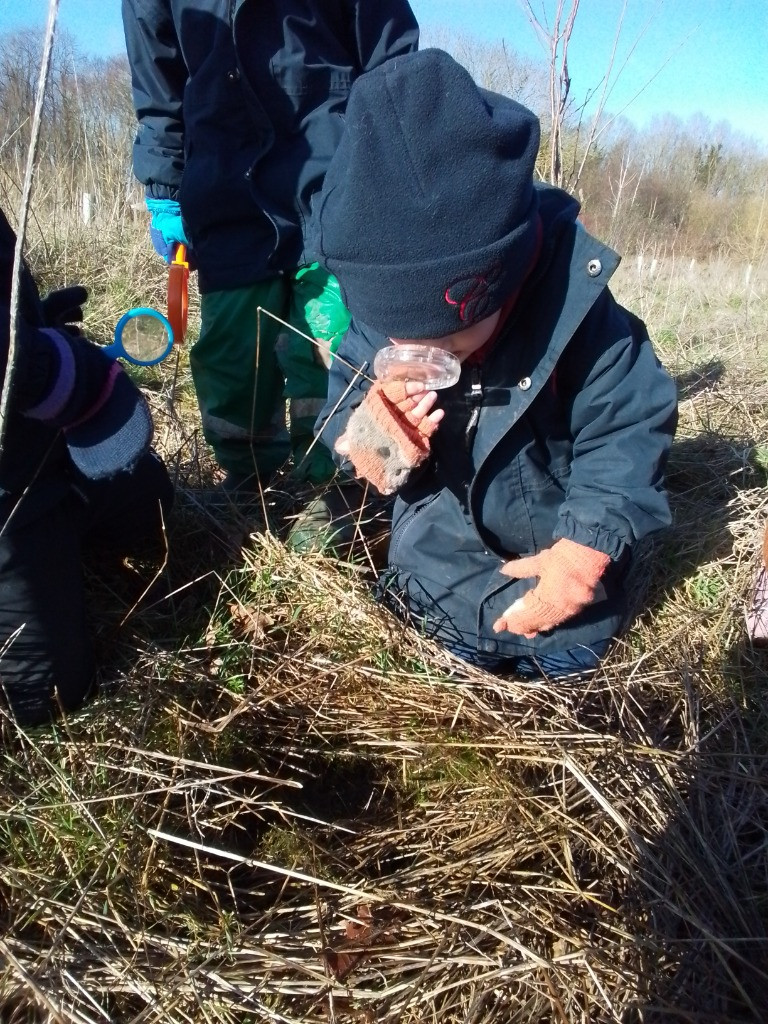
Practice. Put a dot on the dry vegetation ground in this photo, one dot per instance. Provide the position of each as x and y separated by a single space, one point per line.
286 807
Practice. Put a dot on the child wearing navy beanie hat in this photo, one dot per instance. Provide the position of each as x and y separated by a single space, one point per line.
432 190
522 489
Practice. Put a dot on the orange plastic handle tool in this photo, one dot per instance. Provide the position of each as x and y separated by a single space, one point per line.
178 294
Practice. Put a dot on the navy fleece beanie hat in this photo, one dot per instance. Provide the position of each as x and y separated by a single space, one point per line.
428 215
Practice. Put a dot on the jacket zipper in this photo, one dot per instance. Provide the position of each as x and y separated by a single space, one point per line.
474 401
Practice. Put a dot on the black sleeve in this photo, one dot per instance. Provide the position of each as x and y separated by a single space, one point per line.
158 78
30 311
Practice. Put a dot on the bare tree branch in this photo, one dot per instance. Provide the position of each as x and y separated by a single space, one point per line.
45 64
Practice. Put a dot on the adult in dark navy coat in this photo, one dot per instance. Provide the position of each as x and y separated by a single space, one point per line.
522 489
240 106
76 472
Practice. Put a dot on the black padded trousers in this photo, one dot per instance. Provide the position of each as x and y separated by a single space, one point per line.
46 654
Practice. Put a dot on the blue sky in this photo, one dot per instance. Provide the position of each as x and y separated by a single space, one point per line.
691 56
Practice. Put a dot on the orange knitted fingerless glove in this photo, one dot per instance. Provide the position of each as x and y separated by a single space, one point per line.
568 573
384 442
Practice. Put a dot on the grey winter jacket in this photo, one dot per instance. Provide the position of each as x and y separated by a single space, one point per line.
562 431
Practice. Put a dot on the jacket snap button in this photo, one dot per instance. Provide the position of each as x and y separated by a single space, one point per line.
594 267
524 384
233 75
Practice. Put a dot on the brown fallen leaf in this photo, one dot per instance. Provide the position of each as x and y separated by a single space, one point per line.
360 930
341 964
250 623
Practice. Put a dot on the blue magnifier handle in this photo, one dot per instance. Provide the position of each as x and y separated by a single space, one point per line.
116 350
142 336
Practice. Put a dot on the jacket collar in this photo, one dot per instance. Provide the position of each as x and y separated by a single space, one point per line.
574 270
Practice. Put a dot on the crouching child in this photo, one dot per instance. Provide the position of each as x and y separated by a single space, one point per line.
522 489
77 475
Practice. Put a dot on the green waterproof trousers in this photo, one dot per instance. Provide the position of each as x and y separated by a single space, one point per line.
256 351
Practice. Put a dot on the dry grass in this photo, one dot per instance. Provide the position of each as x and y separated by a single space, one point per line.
287 807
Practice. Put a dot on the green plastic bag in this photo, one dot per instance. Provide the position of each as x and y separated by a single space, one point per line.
317 300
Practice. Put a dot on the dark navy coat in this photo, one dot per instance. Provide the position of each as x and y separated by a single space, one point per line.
573 420
240 106
31 450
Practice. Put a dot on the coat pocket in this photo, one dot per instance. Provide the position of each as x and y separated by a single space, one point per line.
300 93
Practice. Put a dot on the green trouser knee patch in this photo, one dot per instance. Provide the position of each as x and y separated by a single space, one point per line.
246 364
237 378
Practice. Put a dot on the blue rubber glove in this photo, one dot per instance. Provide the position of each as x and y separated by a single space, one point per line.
166 228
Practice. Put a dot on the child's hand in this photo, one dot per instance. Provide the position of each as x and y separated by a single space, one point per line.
569 574
388 434
63 308
411 401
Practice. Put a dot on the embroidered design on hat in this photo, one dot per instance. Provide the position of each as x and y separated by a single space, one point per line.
471 294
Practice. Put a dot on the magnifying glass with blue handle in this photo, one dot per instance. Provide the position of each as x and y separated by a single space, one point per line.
142 336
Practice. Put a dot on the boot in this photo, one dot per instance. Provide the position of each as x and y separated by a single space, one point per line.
332 522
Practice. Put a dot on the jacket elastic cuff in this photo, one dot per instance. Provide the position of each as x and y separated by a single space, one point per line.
54 402
157 191
596 537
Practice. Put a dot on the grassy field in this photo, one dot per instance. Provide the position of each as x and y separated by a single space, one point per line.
286 807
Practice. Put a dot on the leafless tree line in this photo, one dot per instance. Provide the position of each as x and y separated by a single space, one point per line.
87 126
695 187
